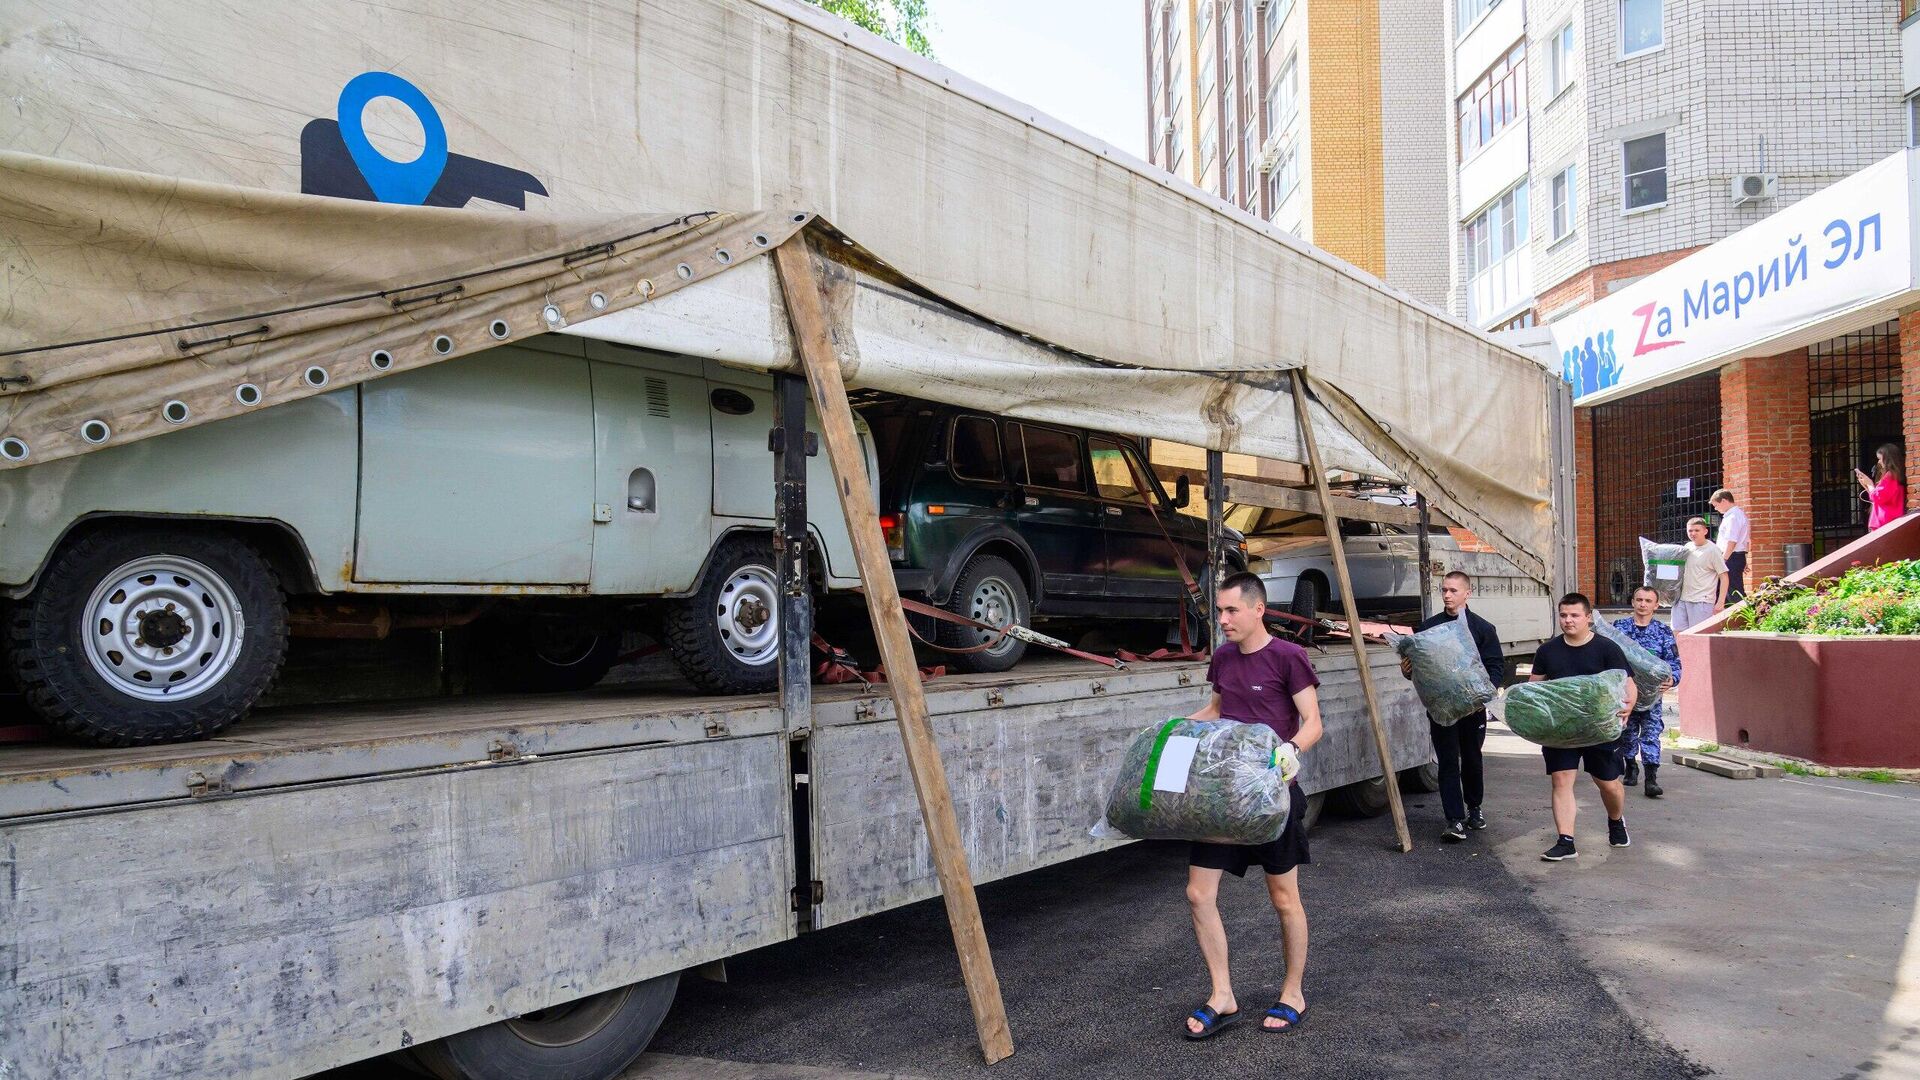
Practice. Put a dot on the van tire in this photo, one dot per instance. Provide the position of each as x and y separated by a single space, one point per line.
1308 596
233 609
618 1026
706 632
988 585
531 659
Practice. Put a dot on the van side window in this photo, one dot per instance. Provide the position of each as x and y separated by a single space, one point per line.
1043 457
1112 473
976 450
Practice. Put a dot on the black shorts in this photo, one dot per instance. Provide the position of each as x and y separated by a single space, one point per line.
1275 856
1604 761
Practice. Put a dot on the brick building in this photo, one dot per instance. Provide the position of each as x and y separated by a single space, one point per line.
1325 117
1607 149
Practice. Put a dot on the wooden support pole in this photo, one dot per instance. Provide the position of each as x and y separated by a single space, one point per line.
1209 629
1336 545
1253 493
813 339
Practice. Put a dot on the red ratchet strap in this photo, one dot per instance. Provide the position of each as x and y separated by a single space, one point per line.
1000 634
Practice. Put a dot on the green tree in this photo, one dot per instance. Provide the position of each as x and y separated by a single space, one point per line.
903 22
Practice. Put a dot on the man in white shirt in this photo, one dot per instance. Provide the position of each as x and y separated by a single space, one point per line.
1734 538
1703 581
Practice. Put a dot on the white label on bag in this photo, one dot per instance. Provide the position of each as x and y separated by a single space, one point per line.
1176 760
1666 572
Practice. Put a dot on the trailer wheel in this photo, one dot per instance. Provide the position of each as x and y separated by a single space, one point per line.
1421 778
990 591
594 1038
544 654
1310 814
149 635
1366 799
726 637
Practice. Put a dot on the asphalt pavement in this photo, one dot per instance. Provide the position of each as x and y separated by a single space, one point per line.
1429 964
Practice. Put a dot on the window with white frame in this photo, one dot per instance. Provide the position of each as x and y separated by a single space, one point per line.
1565 195
1276 14
1640 26
1283 98
1560 60
1643 162
1913 120
1494 101
1498 231
1209 144
1284 178
1467 12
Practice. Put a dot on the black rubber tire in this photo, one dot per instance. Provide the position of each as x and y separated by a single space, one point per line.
502 1052
1316 804
693 638
1308 596
1421 778
1366 799
532 655
980 569
49 662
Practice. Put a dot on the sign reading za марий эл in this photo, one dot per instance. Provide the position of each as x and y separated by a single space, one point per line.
1836 251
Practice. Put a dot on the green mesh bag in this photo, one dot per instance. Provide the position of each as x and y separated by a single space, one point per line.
1447 672
1583 710
1211 780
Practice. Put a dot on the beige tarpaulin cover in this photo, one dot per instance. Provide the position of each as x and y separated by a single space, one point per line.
657 106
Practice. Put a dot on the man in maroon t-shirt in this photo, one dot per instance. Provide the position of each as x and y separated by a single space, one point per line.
1257 679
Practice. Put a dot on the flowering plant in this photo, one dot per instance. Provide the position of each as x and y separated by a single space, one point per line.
1866 600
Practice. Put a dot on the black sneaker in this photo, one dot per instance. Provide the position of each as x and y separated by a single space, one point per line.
1456 832
1617 833
1632 778
1476 820
1562 850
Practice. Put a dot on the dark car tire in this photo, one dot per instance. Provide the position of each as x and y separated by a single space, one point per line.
990 590
1366 799
594 1038
1316 804
725 637
216 591
1308 596
1421 778
550 654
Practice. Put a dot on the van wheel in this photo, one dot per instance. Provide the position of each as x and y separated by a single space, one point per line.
1366 799
546 654
726 637
594 1038
990 591
149 635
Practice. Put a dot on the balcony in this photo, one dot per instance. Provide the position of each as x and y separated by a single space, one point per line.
1493 169
1502 290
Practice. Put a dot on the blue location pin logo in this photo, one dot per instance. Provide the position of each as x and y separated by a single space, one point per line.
393 181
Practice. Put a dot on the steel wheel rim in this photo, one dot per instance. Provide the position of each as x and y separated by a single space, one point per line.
993 603
163 628
563 646
748 615
573 1022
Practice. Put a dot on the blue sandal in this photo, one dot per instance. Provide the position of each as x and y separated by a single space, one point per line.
1283 1011
1211 1021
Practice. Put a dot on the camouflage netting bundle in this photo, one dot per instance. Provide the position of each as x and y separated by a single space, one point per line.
1447 672
1650 672
1663 564
1212 780
1583 710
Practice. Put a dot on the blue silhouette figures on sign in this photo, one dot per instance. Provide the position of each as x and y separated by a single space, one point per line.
1592 365
337 158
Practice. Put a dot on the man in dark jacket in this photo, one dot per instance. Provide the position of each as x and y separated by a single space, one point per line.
1457 747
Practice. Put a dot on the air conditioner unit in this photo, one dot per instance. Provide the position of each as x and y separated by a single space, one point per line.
1166 127
1270 153
1750 187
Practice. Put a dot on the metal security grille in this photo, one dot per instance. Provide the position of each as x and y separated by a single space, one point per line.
1656 459
1853 402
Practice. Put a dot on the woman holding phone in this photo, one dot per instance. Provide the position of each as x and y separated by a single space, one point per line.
1886 490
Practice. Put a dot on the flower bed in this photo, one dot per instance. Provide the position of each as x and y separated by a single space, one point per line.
1882 599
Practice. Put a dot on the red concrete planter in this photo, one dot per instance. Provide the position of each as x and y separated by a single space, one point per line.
1837 701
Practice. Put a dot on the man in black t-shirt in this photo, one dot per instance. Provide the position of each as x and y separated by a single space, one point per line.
1579 651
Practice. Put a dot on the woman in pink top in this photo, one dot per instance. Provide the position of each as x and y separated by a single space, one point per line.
1886 489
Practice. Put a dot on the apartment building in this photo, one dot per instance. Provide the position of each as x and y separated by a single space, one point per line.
1325 117
1603 151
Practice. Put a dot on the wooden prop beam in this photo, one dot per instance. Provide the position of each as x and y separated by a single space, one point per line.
1339 551
1251 493
813 339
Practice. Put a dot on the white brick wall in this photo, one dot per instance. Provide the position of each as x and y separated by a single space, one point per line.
1417 152
1820 79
